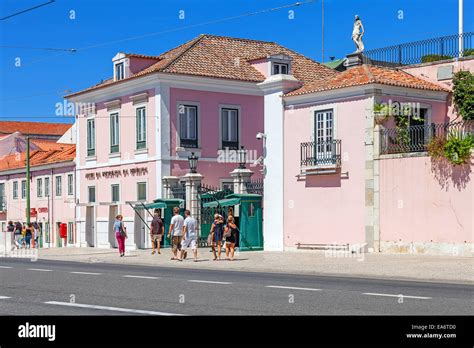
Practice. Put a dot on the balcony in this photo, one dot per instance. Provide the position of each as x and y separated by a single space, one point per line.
416 138
319 157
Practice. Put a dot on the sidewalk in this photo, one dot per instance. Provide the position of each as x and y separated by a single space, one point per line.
452 269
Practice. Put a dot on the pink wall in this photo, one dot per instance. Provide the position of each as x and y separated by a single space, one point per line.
325 208
127 130
138 64
251 118
422 203
261 65
430 71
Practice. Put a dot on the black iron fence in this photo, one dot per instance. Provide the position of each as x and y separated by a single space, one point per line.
255 186
320 153
423 51
417 138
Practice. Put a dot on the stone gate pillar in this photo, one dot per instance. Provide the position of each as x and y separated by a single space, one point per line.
167 183
241 178
192 182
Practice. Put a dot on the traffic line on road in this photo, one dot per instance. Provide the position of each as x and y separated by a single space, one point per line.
399 295
5 267
39 269
4 297
141 277
291 288
87 273
208 281
107 308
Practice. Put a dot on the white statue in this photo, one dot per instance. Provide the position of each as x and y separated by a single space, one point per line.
357 33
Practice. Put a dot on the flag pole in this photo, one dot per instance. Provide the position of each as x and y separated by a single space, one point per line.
27 180
460 27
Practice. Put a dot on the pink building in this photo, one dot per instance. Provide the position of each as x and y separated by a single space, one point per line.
346 184
206 95
52 187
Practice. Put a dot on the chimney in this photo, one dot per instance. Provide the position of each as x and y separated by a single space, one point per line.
354 59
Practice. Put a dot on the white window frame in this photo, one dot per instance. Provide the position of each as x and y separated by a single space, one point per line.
280 65
239 122
117 71
144 133
91 137
70 185
47 186
23 189
39 187
198 123
56 177
15 189
89 194
146 191
112 192
117 132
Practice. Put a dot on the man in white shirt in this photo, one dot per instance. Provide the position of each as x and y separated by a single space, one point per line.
190 235
176 232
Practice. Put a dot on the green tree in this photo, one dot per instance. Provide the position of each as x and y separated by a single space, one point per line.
463 94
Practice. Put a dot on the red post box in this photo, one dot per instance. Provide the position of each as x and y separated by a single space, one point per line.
63 230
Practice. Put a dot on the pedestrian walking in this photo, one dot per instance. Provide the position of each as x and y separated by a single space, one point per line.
17 235
157 231
11 229
37 234
28 235
189 236
176 233
230 235
217 231
120 233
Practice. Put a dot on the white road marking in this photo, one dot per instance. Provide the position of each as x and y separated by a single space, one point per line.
291 288
106 308
89 273
4 297
40 269
5 267
141 277
208 281
400 295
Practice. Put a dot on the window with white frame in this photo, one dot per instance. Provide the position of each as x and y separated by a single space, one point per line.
115 188
280 68
91 194
141 191
141 127
323 133
230 128
15 190
3 198
70 232
119 71
46 187
23 189
114 133
90 137
188 125
39 187
58 186
70 184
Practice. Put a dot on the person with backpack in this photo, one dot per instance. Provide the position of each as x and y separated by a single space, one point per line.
157 231
120 233
230 235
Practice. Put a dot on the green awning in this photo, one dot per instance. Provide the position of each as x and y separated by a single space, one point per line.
226 202
157 205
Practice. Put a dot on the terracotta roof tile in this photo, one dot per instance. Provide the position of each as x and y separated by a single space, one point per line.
368 74
228 58
55 154
34 128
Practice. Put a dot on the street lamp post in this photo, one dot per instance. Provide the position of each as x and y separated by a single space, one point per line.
27 181
242 156
193 162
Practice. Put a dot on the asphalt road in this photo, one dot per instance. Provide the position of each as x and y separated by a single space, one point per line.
71 288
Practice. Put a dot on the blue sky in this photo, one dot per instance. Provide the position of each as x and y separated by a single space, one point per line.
31 91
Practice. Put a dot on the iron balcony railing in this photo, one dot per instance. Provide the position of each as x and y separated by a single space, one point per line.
423 51
417 138
321 153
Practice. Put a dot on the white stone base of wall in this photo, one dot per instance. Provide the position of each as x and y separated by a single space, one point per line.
429 248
